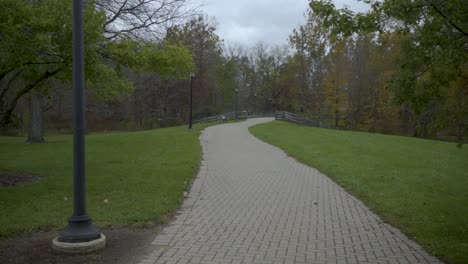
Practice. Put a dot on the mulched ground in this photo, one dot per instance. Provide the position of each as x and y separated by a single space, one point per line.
11 179
124 246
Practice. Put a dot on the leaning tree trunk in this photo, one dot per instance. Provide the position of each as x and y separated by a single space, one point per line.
460 132
36 123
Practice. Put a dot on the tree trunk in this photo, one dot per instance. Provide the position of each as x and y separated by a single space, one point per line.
36 123
460 134
5 119
337 114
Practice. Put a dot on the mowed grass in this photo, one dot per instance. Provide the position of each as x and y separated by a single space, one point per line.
132 178
419 186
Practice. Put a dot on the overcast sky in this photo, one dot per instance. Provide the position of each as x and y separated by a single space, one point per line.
271 21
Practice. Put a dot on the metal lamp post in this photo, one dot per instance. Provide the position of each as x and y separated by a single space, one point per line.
255 103
237 92
192 76
271 104
80 235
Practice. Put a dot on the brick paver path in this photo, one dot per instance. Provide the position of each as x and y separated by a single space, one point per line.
252 204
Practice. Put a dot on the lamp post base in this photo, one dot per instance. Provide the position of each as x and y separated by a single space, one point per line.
80 236
79 247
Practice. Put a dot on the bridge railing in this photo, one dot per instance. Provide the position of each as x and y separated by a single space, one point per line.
299 119
278 115
232 116
225 116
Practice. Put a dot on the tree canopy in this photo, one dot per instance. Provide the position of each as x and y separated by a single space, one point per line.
36 43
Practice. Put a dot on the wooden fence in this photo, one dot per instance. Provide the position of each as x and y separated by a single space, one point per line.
299 119
225 117
232 116
278 115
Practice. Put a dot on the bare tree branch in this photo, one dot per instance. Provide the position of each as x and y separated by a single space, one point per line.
143 18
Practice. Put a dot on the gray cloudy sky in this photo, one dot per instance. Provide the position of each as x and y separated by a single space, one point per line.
271 21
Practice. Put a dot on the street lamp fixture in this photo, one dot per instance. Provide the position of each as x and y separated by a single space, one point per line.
237 100
80 236
255 103
271 103
192 77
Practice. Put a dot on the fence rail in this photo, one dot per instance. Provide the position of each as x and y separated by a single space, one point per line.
232 116
225 116
299 119
256 115
278 115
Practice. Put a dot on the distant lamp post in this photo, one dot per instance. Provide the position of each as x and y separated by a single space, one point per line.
80 236
192 77
237 100
255 103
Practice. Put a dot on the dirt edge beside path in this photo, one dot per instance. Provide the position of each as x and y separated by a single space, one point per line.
124 246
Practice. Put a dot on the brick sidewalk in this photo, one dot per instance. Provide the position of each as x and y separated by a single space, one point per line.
252 204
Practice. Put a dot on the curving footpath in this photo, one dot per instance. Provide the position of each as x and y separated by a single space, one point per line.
251 203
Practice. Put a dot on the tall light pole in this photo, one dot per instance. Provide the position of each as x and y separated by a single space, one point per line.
271 103
192 76
237 92
255 103
80 235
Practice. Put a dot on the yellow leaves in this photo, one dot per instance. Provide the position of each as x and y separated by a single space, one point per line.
336 80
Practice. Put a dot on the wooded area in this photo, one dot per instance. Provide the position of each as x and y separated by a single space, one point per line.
400 68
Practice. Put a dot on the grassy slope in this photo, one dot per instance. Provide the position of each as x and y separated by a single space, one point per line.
420 186
142 175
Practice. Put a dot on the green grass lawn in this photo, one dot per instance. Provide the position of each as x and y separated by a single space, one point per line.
142 175
419 186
